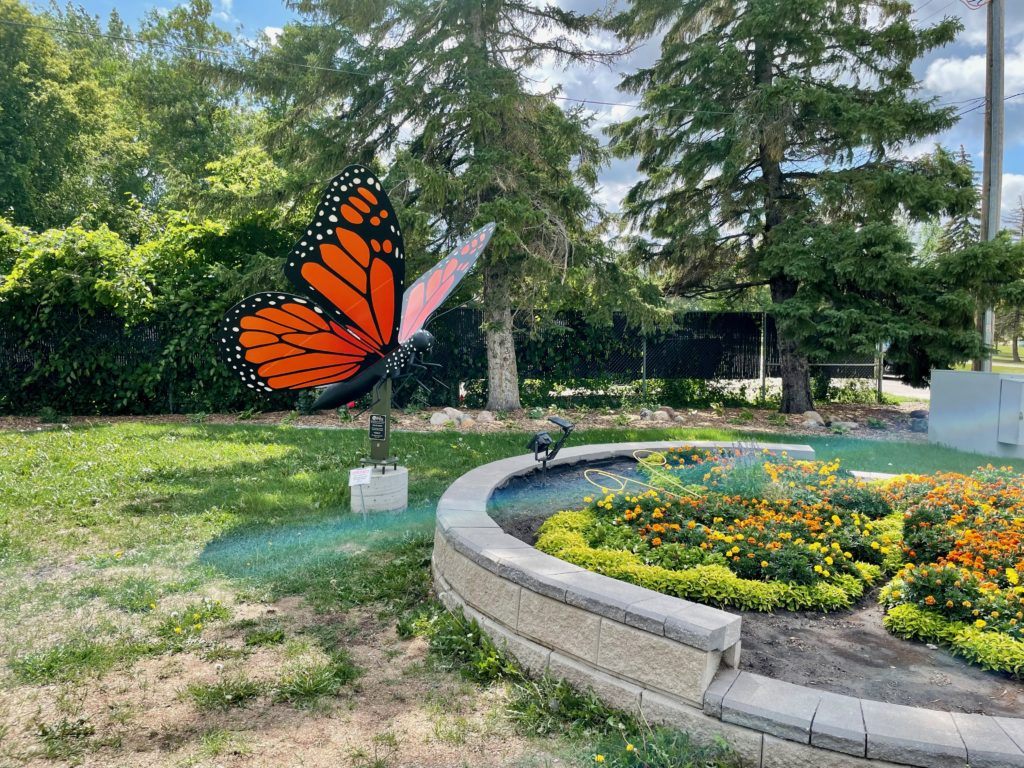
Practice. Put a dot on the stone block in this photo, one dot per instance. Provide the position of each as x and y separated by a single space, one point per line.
731 655
533 570
839 725
773 706
690 623
779 753
911 735
1014 728
476 543
657 662
387 491
988 745
559 626
601 594
531 657
448 518
614 692
717 690
481 589
663 710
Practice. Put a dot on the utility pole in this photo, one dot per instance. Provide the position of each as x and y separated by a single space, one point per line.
992 174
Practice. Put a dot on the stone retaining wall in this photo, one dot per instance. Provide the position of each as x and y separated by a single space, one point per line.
672 660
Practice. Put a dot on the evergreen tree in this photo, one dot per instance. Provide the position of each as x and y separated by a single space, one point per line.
769 140
439 89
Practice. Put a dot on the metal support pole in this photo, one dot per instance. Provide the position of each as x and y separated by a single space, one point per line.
879 372
992 174
643 368
762 356
380 424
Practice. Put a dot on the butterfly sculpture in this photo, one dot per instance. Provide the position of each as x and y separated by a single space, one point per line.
350 326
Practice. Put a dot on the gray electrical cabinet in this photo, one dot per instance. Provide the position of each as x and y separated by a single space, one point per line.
1011 411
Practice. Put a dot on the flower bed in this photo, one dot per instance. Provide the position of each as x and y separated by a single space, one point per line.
763 532
756 532
964 550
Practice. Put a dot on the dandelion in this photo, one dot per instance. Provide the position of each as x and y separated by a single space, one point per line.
598 758
630 748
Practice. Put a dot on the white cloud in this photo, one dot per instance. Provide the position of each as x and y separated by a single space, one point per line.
1013 191
272 34
965 76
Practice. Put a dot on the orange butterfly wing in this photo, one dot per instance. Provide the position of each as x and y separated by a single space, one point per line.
351 259
436 284
351 264
281 341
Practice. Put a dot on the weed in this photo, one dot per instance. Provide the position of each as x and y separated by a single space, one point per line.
536 413
180 627
778 420
746 416
306 685
198 418
875 423
50 415
247 414
136 594
382 749
235 691
66 738
263 636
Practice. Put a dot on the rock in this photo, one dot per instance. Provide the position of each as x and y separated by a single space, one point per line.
454 414
645 414
661 416
677 417
485 417
670 411
920 413
845 424
812 424
439 419
466 422
919 425
815 417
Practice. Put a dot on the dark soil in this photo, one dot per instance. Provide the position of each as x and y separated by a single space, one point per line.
847 652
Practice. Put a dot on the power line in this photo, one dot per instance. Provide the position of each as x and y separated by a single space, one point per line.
220 52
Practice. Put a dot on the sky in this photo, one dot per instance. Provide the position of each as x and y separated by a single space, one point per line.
955 73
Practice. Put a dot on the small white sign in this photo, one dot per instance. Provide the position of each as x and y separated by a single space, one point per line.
359 476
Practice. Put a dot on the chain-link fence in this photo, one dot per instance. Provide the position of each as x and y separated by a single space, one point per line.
566 349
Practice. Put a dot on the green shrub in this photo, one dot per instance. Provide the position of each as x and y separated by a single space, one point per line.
990 650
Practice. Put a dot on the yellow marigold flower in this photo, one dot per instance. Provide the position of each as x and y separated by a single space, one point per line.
980 623
829 561
764 563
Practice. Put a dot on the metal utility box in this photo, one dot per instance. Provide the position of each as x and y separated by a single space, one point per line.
978 412
1011 411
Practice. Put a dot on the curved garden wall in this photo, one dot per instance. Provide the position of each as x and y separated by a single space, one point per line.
672 660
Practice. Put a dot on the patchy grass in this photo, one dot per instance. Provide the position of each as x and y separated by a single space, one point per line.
142 561
306 685
233 691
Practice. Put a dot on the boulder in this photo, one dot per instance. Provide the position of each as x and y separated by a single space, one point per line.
645 414
845 424
815 417
440 418
485 417
454 414
812 424
466 422
670 411
661 416
919 425
677 417
920 413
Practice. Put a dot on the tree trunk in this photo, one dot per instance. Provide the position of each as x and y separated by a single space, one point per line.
502 373
796 379
1015 330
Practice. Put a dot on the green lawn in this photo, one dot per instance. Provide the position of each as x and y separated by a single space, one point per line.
133 545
